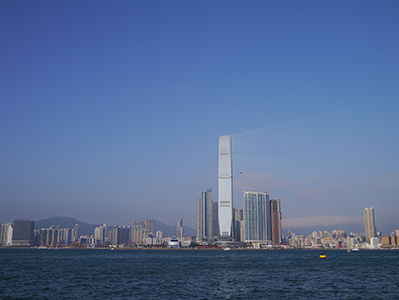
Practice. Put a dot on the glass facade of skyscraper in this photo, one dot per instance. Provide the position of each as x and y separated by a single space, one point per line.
275 220
204 216
225 188
256 216
369 223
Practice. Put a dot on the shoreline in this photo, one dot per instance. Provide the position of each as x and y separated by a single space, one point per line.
188 249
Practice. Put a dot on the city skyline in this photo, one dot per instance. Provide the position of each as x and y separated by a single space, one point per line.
255 233
116 108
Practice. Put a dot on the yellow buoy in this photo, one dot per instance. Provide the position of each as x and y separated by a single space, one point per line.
322 255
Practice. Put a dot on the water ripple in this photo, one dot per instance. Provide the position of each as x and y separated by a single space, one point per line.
158 274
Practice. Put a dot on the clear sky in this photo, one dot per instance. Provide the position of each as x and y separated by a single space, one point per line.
110 111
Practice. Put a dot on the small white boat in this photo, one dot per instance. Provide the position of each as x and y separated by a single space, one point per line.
227 248
355 249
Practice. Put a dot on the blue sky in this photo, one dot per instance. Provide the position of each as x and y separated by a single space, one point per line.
111 111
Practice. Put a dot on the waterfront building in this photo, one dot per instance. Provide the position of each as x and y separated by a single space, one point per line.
57 236
121 235
374 243
351 242
23 232
386 240
100 235
242 230
369 223
215 219
149 224
75 233
51 236
67 236
41 236
275 220
225 188
239 217
2 234
257 217
7 234
138 234
179 228
204 216
391 240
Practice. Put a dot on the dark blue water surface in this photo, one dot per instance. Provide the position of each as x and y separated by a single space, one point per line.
197 274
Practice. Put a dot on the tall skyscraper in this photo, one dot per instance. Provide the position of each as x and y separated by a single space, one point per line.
9 233
76 233
2 234
225 189
121 235
238 223
204 216
275 220
369 223
100 234
215 219
256 216
179 228
6 234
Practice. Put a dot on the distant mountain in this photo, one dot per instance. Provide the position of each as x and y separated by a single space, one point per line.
85 228
169 230
66 222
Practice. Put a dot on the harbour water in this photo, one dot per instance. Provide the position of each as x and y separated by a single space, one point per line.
198 274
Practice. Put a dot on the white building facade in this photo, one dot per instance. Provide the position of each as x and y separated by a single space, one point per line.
225 188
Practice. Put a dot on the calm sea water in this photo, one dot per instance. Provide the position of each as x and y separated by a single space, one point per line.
197 274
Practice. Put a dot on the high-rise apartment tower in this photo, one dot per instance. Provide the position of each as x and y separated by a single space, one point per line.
275 220
225 188
369 223
204 216
23 232
257 217
149 224
179 228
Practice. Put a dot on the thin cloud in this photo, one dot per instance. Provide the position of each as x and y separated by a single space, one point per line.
388 185
314 179
258 181
314 191
390 200
314 221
